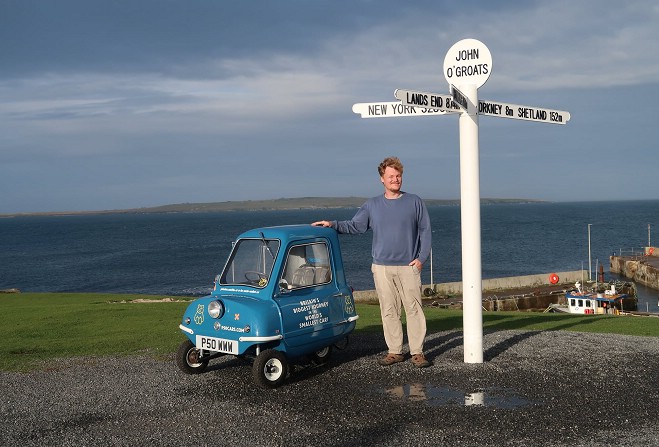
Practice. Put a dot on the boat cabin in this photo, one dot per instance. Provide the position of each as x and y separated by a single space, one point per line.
594 303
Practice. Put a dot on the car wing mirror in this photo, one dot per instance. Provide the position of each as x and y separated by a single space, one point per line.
284 286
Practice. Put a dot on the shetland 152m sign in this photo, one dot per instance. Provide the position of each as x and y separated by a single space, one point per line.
503 110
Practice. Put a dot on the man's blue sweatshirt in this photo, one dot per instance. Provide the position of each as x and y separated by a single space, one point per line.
401 228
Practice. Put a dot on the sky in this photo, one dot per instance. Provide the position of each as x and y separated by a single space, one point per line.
126 104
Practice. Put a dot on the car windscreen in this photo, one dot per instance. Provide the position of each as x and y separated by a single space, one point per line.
251 262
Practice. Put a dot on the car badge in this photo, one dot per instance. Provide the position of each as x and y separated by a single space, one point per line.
199 316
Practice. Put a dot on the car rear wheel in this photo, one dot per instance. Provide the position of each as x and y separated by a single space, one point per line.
187 358
270 368
321 357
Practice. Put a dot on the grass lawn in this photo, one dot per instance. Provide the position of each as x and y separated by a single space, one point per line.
39 326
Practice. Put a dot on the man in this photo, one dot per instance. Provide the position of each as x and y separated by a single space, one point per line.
401 245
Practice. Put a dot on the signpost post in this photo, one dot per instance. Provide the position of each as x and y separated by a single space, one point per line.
467 66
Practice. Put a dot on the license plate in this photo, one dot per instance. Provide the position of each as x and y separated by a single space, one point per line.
217 344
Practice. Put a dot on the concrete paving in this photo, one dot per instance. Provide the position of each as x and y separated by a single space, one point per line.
534 389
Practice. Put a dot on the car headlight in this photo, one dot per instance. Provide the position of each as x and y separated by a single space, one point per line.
215 309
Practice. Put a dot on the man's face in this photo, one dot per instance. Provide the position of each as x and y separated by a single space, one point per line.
392 179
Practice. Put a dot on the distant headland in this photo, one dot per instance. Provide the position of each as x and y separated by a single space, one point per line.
261 205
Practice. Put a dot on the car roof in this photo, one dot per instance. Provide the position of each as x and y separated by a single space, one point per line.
287 233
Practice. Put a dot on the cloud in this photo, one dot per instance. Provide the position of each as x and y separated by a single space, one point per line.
175 101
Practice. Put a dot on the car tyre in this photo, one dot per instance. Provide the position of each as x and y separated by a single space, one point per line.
187 358
270 368
321 357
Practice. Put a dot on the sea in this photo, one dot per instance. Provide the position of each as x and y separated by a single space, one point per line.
181 253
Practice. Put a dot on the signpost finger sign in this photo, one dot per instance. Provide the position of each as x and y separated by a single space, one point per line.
428 100
514 111
392 109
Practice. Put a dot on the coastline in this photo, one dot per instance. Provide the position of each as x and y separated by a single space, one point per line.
298 203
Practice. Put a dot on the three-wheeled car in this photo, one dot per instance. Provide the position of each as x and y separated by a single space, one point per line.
281 296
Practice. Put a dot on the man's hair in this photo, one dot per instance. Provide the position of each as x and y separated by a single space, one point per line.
390 162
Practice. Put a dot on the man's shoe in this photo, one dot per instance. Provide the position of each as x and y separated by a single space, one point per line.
420 361
390 359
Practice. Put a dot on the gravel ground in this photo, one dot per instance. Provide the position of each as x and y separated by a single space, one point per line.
534 388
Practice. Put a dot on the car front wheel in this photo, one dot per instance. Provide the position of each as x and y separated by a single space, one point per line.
270 368
187 358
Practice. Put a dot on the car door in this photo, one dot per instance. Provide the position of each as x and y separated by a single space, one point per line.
308 302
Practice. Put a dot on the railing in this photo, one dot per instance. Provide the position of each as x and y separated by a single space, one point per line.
635 253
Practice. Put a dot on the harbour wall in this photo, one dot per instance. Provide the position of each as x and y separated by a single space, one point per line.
643 269
491 286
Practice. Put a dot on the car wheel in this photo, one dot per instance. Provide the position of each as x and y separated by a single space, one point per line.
270 368
321 357
187 359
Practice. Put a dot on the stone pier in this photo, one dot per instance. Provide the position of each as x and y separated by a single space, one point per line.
643 269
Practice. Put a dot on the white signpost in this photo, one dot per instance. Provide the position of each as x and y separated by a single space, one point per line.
467 66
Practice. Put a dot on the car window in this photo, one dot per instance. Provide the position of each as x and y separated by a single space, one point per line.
307 265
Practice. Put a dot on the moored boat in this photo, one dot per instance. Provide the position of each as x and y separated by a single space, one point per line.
603 298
